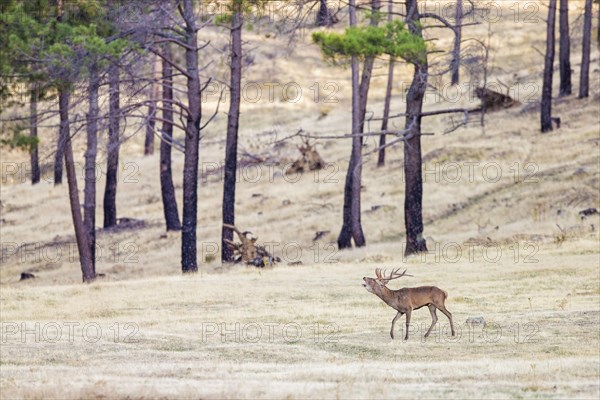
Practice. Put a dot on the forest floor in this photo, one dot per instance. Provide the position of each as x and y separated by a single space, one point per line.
501 212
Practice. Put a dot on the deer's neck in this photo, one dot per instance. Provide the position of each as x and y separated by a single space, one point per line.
386 295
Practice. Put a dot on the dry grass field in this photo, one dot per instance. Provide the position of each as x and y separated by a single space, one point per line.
310 332
501 220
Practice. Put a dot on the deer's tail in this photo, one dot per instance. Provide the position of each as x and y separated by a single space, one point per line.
445 295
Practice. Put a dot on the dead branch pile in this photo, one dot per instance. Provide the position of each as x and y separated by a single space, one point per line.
309 161
492 100
247 251
248 158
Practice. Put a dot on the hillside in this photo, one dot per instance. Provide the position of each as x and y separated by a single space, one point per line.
506 182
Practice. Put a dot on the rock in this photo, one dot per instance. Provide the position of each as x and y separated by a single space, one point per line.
27 275
476 321
587 212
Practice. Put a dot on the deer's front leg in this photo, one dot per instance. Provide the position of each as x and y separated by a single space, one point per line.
393 322
407 323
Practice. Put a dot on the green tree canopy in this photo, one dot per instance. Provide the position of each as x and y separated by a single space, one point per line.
391 38
39 50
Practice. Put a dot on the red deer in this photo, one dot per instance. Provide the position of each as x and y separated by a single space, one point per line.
406 300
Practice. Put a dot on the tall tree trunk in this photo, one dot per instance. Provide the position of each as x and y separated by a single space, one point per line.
112 150
232 134
89 189
413 200
85 257
167 188
150 125
386 113
485 65
565 50
60 142
457 39
58 158
189 261
365 81
363 92
356 176
351 227
33 121
388 97
584 77
345 237
324 17
546 105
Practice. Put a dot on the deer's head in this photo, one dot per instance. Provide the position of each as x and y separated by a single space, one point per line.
374 285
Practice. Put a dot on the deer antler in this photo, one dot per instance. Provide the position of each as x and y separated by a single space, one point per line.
396 275
383 277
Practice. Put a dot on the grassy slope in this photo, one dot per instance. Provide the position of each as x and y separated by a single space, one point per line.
558 294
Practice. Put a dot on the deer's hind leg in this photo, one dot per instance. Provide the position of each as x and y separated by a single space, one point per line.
433 318
408 312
